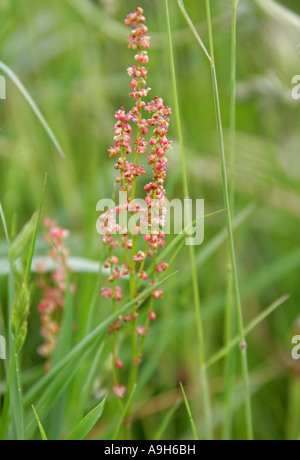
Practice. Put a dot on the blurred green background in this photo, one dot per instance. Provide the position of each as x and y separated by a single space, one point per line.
71 56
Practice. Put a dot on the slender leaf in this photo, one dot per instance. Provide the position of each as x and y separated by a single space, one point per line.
89 340
33 241
86 425
267 312
179 238
42 431
52 384
189 414
10 73
5 409
88 381
166 421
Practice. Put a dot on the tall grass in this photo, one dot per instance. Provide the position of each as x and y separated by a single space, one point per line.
198 312
229 362
233 264
217 301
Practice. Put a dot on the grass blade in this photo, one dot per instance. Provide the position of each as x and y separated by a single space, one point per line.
86 425
53 384
64 345
33 241
196 291
54 390
231 243
13 399
193 29
160 432
16 249
267 312
88 381
189 414
10 73
11 279
229 321
179 238
5 410
16 398
42 431
75 354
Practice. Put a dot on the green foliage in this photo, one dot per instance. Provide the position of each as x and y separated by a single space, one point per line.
42 431
65 65
86 425
21 242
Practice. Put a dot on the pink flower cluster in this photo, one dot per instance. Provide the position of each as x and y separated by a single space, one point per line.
142 131
53 287
138 39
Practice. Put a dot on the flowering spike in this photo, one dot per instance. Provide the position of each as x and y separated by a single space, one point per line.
53 287
140 136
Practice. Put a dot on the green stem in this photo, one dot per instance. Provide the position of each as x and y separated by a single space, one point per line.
236 288
197 305
233 107
134 337
16 396
136 156
115 337
293 419
229 364
249 328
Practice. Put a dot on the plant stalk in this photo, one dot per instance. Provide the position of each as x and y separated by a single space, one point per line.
198 310
236 288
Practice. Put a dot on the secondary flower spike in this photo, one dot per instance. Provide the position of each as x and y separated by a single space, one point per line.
53 287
